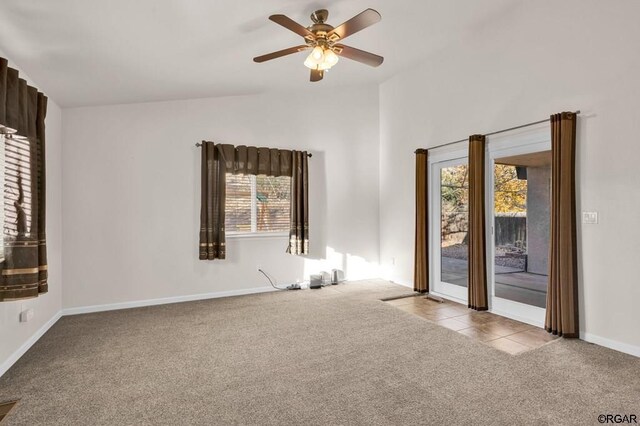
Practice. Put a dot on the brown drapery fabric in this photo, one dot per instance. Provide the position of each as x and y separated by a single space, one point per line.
212 192
421 257
562 293
219 159
23 270
249 160
477 288
299 213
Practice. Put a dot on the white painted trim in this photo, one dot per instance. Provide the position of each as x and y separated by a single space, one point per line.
611 344
448 297
436 156
14 357
257 235
402 283
516 316
164 301
520 137
436 164
527 141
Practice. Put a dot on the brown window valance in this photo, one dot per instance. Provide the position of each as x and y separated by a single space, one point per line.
251 160
23 270
22 107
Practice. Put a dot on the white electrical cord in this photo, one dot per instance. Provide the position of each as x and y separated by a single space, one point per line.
290 287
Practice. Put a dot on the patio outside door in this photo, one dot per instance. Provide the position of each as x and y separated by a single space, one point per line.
517 207
519 201
450 211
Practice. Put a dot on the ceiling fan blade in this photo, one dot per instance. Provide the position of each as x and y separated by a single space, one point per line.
280 53
358 55
292 25
355 24
316 75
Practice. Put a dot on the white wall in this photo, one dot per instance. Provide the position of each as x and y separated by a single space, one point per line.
15 337
536 59
131 193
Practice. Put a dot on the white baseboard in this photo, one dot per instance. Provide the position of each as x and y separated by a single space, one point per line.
164 301
14 357
447 297
611 344
402 283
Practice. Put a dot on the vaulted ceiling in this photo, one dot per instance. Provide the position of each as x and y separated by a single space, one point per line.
122 51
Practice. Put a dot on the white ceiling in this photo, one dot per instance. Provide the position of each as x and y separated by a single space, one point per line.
90 52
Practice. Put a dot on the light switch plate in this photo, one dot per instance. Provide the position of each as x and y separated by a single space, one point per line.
590 218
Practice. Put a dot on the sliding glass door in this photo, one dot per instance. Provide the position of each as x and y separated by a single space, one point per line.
450 211
519 193
517 188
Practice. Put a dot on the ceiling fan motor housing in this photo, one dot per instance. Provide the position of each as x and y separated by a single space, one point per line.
320 29
320 16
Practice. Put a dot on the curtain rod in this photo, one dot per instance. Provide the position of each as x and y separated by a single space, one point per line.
492 133
198 144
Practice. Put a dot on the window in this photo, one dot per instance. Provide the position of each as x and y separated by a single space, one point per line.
257 204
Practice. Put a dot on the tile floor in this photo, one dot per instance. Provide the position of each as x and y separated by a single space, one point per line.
502 333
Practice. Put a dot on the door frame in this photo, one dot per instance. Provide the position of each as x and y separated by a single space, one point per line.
438 160
523 141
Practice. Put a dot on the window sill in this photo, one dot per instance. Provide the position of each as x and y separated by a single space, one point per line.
257 235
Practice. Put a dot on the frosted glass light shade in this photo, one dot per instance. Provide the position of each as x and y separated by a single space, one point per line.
321 59
330 57
310 63
317 54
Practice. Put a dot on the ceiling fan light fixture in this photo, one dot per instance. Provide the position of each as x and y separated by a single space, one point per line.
330 57
323 66
327 60
317 54
315 58
310 63
321 39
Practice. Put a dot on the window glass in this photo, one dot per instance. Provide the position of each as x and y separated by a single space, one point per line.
257 204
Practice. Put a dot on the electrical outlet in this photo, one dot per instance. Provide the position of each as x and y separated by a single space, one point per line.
26 315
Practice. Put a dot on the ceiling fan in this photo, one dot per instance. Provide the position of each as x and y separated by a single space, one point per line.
324 41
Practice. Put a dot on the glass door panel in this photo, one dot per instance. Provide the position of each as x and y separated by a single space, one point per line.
454 225
449 240
521 198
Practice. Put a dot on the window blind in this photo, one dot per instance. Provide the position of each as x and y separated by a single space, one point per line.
257 203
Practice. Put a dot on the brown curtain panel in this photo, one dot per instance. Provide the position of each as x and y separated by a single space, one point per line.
562 293
299 215
477 288
23 267
421 259
213 189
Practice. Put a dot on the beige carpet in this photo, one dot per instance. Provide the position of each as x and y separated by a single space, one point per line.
330 356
